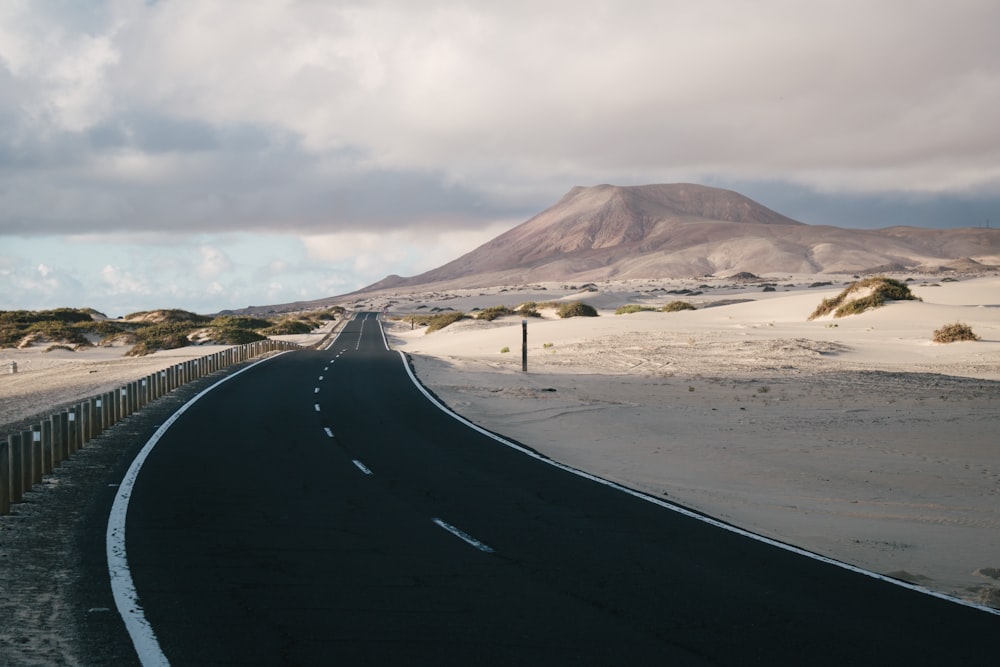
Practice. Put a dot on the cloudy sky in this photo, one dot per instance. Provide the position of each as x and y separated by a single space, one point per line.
211 154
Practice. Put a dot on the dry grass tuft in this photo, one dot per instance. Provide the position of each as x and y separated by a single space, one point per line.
953 333
874 292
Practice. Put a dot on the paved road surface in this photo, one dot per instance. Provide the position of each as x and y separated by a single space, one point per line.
318 509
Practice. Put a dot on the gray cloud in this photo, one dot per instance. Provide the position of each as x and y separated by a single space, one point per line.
322 117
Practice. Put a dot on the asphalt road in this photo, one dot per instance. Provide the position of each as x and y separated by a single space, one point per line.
318 509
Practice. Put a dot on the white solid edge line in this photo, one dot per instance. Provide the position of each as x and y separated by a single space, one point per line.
686 512
122 586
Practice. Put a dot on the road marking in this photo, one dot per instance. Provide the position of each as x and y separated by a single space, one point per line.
683 510
328 431
320 378
326 368
465 537
147 647
316 390
362 467
316 406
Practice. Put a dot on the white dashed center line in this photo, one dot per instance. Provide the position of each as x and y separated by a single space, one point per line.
329 433
465 537
362 467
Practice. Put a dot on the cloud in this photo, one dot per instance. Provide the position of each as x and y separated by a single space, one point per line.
28 285
343 116
118 281
372 255
214 263
392 136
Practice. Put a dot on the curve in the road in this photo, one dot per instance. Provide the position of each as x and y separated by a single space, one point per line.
687 512
126 598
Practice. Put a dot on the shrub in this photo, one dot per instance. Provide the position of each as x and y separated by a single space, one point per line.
288 327
528 309
239 322
493 312
168 315
953 333
442 320
628 309
576 309
235 336
675 306
504 349
881 288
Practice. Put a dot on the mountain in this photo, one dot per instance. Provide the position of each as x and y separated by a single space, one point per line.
684 230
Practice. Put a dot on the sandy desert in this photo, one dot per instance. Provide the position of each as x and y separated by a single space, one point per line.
856 438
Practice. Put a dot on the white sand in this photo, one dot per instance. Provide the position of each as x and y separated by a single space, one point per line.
862 441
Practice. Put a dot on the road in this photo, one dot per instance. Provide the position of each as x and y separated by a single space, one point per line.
319 509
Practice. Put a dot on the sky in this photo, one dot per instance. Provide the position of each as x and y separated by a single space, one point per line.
216 154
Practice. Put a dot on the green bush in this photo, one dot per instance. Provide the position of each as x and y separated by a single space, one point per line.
528 309
493 312
882 289
675 306
239 322
633 308
953 333
171 315
162 336
441 320
288 327
576 309
235 336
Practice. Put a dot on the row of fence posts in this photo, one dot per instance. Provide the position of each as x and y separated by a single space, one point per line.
25 457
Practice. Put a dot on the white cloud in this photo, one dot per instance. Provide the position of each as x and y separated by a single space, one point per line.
777 86
397 135
120 282
214 262
373 255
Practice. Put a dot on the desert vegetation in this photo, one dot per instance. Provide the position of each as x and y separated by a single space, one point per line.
435 321
864 295
676 306
575 309
145 331
493 312
954 333
630 308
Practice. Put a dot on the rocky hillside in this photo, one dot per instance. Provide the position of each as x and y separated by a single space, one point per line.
682 230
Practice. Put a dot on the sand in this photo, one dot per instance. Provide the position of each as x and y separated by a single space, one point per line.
855 438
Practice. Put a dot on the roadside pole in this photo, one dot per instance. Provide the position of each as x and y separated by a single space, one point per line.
524 346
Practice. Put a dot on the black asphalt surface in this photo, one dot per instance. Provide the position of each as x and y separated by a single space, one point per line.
293 516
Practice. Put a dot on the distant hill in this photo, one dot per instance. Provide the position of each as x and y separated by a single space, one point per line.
684 230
